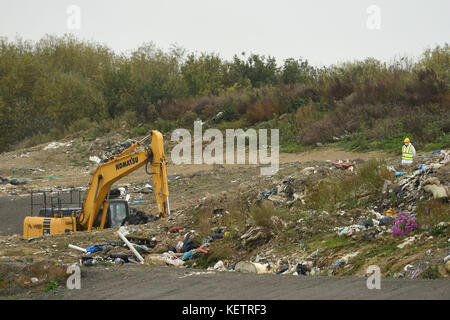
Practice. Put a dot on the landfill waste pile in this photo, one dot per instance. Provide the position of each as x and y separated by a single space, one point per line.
422 182
313 218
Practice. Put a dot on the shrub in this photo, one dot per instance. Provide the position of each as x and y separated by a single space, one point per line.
404 223
431 272
260 111
262 214
187 120
372 174
431 212
306 115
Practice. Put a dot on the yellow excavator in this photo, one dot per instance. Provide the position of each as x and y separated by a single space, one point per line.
98 210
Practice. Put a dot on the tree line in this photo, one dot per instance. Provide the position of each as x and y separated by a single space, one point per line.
62 83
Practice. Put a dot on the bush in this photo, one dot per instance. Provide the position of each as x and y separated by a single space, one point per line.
404 223
59 86
431 272
262 214
260 111
306 115
431 212
187 120
372 174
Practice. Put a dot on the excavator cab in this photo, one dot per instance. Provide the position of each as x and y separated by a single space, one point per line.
118 211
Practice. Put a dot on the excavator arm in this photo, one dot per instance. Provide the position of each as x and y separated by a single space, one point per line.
148 152
137 155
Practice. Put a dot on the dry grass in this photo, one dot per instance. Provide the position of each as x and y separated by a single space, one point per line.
343 189
432 212
306 115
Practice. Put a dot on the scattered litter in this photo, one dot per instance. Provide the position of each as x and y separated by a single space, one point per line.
415 273
387 221
126 230
196 274
189 255
56 145
407 267
130 246
175 229
266 194
252 267
301 269
390 212
391 168
283 268
438 192
407 241
171 259
77 248
219 266
347 257
95 159
341 165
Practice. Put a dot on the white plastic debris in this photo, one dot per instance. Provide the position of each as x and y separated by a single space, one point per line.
95 159
408 267
219 266
77 248
126 230
56 145
347 257
171 259
391 168
407 241
130 246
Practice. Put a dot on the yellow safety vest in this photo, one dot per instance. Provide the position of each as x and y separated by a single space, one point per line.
407 153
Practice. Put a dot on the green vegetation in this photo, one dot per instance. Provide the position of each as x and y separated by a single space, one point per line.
430 213
334 242
431 272
349 191
222 250
60 86
2 281
262 215
51 285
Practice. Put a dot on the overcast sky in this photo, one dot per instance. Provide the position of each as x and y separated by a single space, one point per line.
322 31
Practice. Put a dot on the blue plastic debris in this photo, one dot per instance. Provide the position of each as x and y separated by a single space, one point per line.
436 151
339 263
266 194
422 167
136 202
94 249
188 255
399 174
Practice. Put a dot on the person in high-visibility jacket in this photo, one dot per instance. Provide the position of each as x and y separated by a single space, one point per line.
408 152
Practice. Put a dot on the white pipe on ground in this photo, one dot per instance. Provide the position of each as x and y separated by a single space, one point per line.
77 248
131 247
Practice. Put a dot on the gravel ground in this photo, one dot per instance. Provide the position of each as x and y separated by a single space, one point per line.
146 282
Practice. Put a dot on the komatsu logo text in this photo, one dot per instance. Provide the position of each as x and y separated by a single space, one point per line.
127 163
